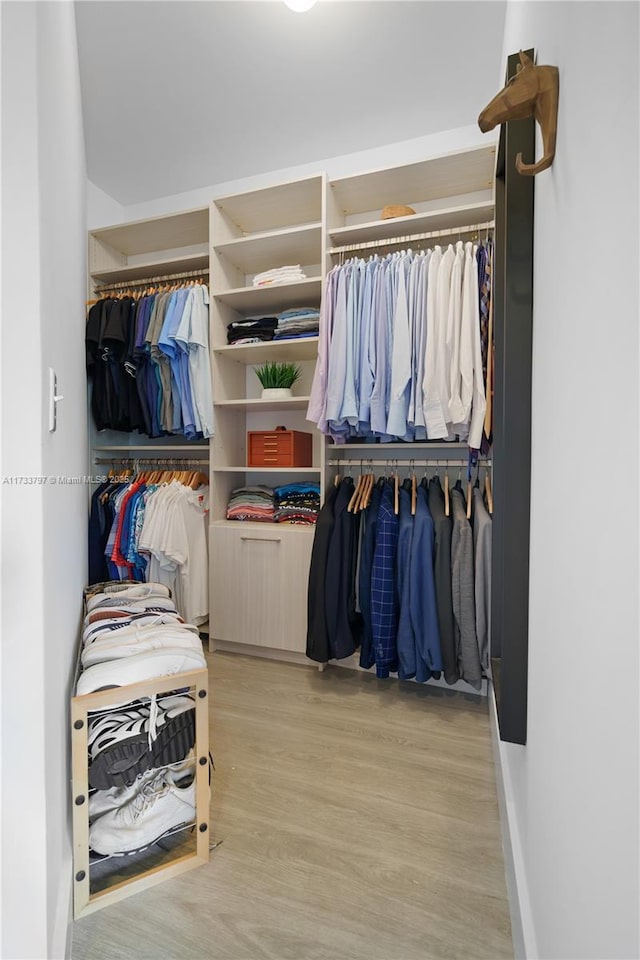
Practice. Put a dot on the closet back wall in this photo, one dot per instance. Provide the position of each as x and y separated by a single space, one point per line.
44 526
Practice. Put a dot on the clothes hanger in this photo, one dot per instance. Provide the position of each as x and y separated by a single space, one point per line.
414 490
487 491
447 506
355 496
396 487
366 497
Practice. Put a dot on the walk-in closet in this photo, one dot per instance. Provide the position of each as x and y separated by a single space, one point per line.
307 579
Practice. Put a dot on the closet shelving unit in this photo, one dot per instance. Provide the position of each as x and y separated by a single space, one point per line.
252 232
172 246
159 247
453 192
451 195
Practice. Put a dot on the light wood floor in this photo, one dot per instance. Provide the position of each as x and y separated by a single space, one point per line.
358 821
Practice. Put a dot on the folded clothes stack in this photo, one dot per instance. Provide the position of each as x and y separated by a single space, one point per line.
270 278
297 323
251 503
252 330
297 503
133 632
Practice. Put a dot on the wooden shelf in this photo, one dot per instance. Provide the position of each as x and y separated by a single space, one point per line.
456 216
427 445
253 525
274 470
156 448
264 251
198 261
263 406
305 349
157 233
304 293
451 175
282 205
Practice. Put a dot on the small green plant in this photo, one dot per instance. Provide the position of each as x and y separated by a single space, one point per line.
273 375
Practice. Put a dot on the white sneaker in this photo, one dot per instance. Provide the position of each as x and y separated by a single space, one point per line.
120 611
139 666
110 627
140 591
102 801
158 807
114 646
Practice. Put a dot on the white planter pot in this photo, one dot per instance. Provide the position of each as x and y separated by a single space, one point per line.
276 393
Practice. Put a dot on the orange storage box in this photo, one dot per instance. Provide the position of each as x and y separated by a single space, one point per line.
279 448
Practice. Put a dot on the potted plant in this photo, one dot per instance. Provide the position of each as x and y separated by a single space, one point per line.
277 379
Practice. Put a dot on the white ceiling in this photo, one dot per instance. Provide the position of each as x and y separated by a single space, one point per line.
182 95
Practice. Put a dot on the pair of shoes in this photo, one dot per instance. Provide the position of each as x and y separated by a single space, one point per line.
132 639
161 804
128 592
111 610
147 665
103 801
125 743
113 624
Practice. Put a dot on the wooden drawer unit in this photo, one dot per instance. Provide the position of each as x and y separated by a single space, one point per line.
280 448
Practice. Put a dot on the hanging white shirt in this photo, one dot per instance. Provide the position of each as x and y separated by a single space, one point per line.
454 325
435 383
472 385
400 355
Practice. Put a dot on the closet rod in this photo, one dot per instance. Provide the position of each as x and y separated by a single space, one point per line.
413 461
414 237
171 461
145 281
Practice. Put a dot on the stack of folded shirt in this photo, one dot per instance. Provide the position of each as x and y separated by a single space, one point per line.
297 503
270 278
133 632
252 330
251 503
297 323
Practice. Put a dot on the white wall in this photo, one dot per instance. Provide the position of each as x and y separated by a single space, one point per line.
100 214
44 526
573 790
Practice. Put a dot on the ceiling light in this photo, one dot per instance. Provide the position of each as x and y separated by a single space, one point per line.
300 6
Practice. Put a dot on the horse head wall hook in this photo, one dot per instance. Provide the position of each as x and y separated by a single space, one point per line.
532 91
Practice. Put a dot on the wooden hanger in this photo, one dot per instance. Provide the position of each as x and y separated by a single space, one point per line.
446 493
487 492
469 498
396 495
414 493
355 496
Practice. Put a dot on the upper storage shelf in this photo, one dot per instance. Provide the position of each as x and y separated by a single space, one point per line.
288 204
450 191
161 245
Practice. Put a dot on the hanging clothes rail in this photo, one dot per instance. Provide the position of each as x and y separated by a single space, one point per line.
155 461
414 237
147 281
414 461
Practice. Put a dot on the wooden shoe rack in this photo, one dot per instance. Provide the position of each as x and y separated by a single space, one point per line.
100 883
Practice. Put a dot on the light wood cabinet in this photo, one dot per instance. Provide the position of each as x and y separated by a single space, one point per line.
259 574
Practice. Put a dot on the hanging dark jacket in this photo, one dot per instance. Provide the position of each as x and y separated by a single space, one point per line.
317 633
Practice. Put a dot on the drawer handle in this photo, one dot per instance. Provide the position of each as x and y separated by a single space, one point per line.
263 539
